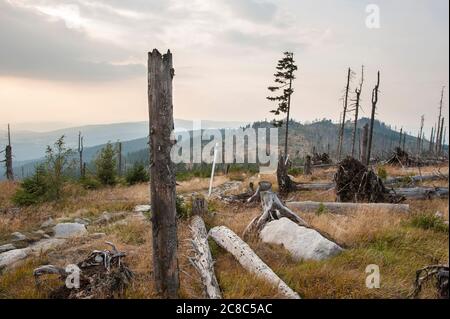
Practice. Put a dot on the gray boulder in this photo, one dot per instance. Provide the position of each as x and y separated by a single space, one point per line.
18 236
6 247
48 223
10 257
69 230
142 208
301 242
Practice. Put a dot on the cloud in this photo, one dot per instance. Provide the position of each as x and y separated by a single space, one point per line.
254 10
33 46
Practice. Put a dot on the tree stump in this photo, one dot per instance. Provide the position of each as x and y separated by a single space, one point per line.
199 205
307 169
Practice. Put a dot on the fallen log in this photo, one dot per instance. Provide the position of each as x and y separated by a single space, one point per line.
415 179
333 207
422 192
202 260
231 242
315 186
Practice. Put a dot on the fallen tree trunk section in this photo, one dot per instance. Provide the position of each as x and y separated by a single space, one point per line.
315 186
231 242
414 179
422 192
202 260
332 207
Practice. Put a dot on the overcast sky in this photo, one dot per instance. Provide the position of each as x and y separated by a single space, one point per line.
83 61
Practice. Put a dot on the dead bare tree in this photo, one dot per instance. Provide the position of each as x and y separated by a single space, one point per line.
119 158
357 106
342 128
80 153
162 171
419 136
364 140
8 158
430 145
439 128
400 141
372 118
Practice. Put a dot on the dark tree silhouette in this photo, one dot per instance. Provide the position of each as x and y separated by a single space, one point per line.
283 79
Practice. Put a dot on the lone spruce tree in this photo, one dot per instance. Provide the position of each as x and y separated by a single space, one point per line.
283 79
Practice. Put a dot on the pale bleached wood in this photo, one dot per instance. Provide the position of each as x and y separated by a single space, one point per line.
231 242
202 259
333 207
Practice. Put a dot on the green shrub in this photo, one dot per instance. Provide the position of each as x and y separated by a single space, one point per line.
137 174
90 182
106 165
429 221
381 172
321 209
295 171
183 210
33 189
47 182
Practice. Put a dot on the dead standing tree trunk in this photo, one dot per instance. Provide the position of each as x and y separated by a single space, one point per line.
365 137
80 153
372 118
8 158
357 106
119 158
162 172
341 132
307 168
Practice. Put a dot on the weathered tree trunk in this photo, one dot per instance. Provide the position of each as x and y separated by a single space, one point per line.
119 157
231 242
333 207
199 205
357 106
307 169
416 178
441 134
422 192
202 259
342 130
372 118
162 171
314 186
285 184
365 137
8 158
430 145
439 128
80 153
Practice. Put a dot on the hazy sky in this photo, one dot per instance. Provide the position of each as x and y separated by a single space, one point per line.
83 61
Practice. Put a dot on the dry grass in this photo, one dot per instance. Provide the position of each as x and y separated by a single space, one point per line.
370 237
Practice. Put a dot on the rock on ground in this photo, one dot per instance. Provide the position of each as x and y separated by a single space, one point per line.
142 208
301 242
6 247
18 236
68 230
48 223
10 257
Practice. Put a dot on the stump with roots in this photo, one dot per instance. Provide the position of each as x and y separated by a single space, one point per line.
285 184
103 274
437 272
355 183
399 157
272 208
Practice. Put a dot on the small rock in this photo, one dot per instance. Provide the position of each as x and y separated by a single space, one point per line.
18 236
40 232
47 236
142 208
439 214
12 256
97 235
48 223
68 230
6 247
46 244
